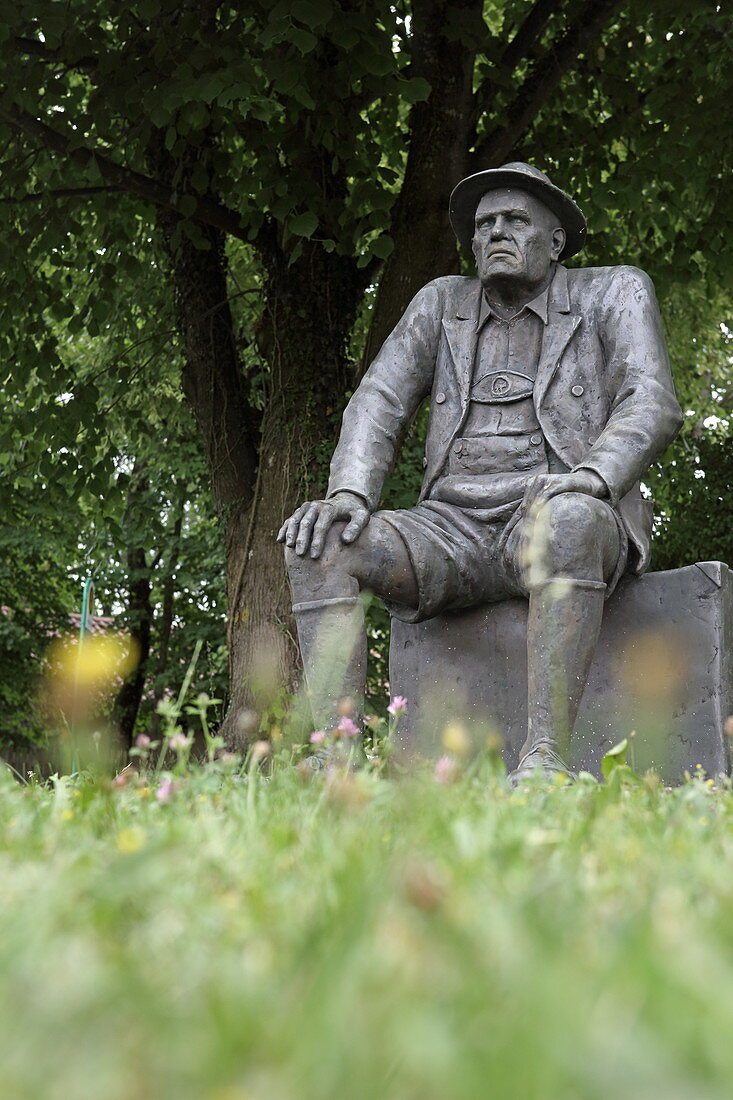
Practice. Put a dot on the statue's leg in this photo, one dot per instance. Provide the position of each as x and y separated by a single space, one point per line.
578 538
329 615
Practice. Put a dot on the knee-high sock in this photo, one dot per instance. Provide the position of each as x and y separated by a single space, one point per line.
333 646
562 632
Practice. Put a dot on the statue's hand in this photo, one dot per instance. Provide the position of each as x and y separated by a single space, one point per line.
308 526
541 488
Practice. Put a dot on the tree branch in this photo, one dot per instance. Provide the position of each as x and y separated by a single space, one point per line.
529 33
34 48
543 79
519 48
60 193
127 179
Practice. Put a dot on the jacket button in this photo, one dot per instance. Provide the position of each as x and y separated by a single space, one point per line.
458 447
439 398
577 391
536 439
424 463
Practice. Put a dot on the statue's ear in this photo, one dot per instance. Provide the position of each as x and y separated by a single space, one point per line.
559 237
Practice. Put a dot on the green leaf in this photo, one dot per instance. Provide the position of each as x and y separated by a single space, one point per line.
303 225
383 247
303 96
614 757
345 36
314 13
416 90
304 40
379 63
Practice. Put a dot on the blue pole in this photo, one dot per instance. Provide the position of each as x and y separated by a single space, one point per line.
87 601
85 627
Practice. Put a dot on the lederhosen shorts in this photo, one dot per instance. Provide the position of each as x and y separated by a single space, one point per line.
464 557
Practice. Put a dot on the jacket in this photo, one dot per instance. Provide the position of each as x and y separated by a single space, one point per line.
604 394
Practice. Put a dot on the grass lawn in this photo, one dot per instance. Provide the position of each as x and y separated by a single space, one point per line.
355 937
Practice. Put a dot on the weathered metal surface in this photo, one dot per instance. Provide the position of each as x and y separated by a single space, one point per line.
663 667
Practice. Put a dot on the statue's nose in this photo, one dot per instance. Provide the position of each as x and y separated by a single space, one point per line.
498 229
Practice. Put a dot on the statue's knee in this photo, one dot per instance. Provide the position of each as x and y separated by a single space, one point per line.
331 560
571 524
569 513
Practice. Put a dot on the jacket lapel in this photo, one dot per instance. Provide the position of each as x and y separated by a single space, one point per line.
561 325
462 335
459 325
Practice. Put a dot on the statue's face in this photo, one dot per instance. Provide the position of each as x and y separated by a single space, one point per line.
516 237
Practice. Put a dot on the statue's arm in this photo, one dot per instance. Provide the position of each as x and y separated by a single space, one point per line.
378 413
645 415
387 399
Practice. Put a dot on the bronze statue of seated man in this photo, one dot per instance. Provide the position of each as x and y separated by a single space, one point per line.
550 396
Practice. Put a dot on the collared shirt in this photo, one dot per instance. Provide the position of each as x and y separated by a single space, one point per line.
507 357
538 305
508 351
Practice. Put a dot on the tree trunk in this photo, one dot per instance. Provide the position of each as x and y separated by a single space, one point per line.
424 244
212 378
310 309
139 624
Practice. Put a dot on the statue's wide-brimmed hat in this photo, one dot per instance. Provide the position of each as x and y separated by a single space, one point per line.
468 193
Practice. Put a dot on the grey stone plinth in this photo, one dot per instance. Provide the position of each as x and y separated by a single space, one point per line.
663 668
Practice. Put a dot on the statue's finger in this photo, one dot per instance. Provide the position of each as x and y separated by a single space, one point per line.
305 528
292 525
283 532
353 529
291 533
321 529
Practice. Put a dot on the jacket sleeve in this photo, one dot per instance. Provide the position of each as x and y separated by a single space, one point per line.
386 400
645 416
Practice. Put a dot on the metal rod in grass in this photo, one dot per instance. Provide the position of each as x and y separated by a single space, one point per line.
175 711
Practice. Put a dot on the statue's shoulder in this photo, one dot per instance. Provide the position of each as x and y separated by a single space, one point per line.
450 292
453 286
449 283
602 281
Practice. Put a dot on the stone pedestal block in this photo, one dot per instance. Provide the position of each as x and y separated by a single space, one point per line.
663 668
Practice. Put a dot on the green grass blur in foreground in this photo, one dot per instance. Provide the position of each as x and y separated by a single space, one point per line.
359 937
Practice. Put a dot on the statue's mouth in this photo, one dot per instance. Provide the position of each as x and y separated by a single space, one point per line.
500 252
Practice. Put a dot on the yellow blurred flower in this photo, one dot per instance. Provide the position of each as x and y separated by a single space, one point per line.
494 742
79 677
99 661
130 840
456 740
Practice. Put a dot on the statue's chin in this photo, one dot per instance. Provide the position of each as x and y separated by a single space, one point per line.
500 267
501 276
